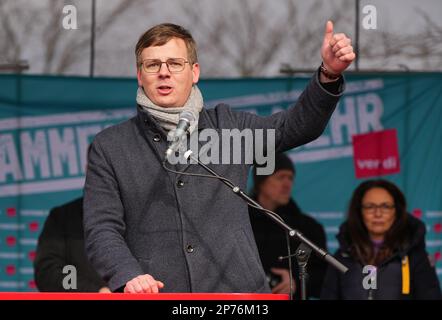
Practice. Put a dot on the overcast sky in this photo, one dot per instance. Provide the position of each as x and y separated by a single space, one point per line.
114 48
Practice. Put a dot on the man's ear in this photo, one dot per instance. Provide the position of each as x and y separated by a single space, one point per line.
140 84
195 73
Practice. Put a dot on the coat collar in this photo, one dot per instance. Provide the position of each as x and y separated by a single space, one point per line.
146 121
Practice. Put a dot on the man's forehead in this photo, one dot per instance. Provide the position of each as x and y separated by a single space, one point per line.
173 45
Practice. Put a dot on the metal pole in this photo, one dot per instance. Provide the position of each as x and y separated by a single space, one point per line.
92 57
358 4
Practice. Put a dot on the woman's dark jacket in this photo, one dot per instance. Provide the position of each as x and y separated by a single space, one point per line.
391 277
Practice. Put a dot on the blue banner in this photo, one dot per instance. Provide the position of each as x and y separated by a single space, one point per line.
46 124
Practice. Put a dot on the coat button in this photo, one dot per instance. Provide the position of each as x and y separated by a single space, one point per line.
156 138
189 248
180 183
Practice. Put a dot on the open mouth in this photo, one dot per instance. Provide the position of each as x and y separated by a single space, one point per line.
164 89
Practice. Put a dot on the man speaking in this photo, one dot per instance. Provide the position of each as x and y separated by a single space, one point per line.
148 230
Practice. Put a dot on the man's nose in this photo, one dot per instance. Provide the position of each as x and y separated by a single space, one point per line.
288 182
164 70
287 185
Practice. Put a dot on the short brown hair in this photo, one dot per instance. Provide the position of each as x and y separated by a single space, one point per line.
160 34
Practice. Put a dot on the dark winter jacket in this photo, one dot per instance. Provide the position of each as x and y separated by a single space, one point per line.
191 233
272 243
61 243
395 279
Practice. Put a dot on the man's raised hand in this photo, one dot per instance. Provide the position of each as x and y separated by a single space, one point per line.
337 52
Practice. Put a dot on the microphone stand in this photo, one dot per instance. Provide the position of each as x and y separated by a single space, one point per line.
292 232
302 255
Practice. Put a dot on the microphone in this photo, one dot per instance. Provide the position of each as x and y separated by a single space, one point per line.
186 119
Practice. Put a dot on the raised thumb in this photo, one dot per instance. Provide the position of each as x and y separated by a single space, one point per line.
328 34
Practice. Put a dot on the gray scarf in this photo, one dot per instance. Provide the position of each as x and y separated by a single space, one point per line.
168 117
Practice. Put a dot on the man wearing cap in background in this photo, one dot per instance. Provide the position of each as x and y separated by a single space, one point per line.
274 193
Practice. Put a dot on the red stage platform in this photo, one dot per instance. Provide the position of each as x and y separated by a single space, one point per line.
139 296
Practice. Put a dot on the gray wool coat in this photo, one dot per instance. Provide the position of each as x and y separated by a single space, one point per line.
192 233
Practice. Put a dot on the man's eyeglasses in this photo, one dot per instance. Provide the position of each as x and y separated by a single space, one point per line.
383 207
174 65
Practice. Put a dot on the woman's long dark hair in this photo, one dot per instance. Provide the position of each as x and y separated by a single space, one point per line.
395 238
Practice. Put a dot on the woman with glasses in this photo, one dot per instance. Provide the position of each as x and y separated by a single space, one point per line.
383 247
